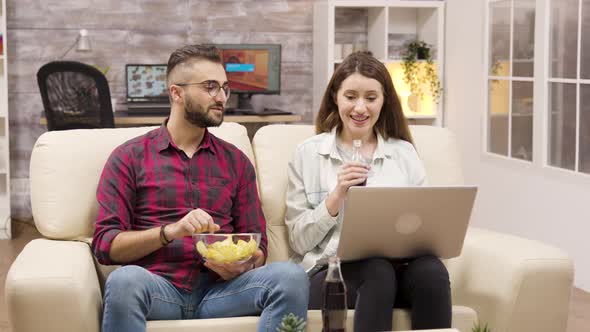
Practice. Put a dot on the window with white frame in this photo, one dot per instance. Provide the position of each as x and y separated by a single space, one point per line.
510 78
568 89
510 82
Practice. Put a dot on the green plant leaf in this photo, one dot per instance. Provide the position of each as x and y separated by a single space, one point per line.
291 323
415 75
479 328
103 70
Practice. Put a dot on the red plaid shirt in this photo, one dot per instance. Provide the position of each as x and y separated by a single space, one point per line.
148 182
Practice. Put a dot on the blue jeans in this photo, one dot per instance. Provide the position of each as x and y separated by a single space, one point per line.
134 295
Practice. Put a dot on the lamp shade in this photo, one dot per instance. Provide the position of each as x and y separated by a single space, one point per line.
83 42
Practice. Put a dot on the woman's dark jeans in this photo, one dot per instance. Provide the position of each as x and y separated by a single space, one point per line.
375 285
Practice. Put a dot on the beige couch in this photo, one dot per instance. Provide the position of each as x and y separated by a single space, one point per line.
513 284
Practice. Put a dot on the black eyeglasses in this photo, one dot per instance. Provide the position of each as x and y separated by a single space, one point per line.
211 86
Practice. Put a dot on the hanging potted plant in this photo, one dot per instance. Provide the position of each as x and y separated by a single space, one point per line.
417 74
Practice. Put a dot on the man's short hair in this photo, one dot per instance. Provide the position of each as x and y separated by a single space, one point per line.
191 53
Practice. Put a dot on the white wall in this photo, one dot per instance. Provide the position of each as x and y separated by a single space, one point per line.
514 197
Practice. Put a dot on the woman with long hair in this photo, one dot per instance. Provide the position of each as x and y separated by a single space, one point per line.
360 103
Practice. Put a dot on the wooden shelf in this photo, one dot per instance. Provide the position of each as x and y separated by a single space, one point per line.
381 27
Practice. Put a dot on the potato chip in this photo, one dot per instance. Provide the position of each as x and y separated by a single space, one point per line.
226 251
202 248
215 256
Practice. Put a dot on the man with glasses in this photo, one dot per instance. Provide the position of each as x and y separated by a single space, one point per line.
158 189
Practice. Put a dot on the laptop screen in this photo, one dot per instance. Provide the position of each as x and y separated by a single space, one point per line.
146 82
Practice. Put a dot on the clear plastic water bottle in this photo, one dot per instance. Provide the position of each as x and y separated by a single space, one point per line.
357 156
334 294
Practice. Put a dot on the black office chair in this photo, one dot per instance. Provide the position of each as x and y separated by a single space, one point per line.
75 96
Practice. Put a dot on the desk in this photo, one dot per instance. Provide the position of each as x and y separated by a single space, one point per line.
122 119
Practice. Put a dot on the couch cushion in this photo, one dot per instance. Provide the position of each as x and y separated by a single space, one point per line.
65 169
274 146
439 151
57 279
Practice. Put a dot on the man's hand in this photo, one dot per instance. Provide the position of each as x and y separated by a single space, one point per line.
196 221
228 271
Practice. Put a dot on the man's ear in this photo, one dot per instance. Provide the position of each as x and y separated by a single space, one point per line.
174 92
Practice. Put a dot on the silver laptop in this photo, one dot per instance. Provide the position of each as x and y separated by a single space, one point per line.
405 222
146 89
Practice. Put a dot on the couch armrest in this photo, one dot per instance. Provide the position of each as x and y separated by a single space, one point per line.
53 286
514 284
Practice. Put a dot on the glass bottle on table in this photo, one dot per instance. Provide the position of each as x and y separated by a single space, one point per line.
334 299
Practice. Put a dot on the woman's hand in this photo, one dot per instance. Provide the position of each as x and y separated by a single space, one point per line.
350 174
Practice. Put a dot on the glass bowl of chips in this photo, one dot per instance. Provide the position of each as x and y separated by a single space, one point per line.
226 248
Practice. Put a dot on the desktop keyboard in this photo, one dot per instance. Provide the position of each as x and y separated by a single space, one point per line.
249 111
148 108
240 111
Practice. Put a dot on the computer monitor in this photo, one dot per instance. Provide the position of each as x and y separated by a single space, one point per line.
252 69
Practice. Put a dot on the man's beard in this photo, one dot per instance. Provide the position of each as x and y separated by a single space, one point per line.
196 115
